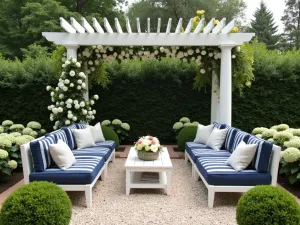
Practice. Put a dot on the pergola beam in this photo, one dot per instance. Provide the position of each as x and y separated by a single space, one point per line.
169 26
97 26
77 26
87 26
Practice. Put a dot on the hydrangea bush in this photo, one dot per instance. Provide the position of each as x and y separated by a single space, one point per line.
183 122
68 100
12 136
289 139
122 129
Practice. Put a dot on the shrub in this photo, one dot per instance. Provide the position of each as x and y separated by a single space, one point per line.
110 134
122 129
188 133
183 122
37 203
267 205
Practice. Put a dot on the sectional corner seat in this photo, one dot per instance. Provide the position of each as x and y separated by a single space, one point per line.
210 165
91 163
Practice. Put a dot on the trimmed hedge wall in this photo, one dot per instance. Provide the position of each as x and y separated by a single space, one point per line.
152 96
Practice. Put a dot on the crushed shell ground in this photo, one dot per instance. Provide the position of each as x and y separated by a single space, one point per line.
186 205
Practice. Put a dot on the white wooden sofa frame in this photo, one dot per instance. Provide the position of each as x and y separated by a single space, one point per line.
212 189
87 188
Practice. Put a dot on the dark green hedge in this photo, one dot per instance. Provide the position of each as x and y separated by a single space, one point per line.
152 96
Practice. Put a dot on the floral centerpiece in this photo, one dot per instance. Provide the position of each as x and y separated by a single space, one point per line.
148 148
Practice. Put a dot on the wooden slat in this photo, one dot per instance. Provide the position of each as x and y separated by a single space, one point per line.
118 26
179 25
158 25
199 26
148 25
97 26
138 25
209 26
107 26
169 26
87 26
128 27
219 26
66 26
189 27
227 29
77 26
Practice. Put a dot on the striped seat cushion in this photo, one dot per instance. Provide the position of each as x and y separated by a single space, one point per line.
40 151
59 135
207 152
192 145
83 171
262 156
107 144
238 138
93 151
216 172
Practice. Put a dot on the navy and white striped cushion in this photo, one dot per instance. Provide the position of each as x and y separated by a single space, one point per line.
59 135
263 154
93 151
216 172
239 137
229 139
192 145
80 125
40 151
107 144
83 171
218 125
208 152
71 142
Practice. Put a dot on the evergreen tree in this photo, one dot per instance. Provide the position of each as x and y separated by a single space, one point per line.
264 26
291 21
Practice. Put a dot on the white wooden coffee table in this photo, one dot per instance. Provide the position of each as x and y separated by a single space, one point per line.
134 168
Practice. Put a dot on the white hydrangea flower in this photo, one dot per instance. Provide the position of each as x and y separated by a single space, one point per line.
82 104
69 101
67 122
238 48
96 97
111 49
83 85
84 111
211 54
92 102
90 113
48 88
123 53
81 74
71 85
56 88
202 71
233 56
92 117
52 93
70 115
72 73
63 65
203 52
65 88
184 60
55 110
161 49
185 54
60 109
74 118
94 111
190 51
69 106
79 81
90 62
67 81
57 103
61 96
61 103
78 64
77 106
78 87
93 68
180 55
74 60
67 62
197 50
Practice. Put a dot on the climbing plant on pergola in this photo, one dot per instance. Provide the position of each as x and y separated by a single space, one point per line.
211 34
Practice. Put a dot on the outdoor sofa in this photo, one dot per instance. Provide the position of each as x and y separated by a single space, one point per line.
91 163
210 165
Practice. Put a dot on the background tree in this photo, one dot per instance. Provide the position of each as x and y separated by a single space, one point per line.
291 21
185 9
264 27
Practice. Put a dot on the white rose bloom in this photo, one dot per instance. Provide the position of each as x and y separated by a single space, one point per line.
48 88
74 60
79 81
70 115
67 122
65 88
154 148
78 64
77 106
78 87
67 81
76 102
190 51
83 85
96 97
203 52
74 118
61 96
202 71
52 93
71 85
72 73
82 104
92 102
67 62
69 106
55 110
90 62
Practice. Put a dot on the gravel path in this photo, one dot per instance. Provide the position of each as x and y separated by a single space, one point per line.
187 204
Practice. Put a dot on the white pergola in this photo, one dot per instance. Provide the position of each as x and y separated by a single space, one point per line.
219 35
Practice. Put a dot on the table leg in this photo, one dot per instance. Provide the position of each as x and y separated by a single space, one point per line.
127 182
169 184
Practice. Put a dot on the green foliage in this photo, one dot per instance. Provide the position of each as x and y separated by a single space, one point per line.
34 51
37 203
187 134
183 122
267 205
122 129
110 134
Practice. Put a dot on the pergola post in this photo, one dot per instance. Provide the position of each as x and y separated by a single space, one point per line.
226 85
215 101
72 52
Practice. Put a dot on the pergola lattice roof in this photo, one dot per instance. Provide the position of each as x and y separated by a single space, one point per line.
95 34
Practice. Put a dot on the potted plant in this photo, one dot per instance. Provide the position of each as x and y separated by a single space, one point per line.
148 148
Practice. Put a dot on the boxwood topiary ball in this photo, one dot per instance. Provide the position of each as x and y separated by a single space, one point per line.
37 203
267 205
110 134
185 135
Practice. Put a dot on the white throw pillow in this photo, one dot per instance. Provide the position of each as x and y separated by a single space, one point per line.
83 137
242 156
203 133
62 155
216 139
97 132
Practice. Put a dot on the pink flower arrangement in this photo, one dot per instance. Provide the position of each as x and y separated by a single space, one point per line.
148 143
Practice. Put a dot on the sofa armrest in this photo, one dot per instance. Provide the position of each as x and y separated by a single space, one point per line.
27 162
274 164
